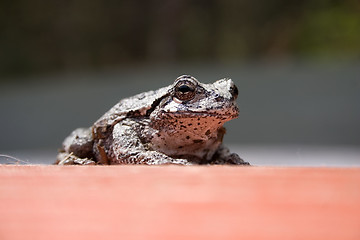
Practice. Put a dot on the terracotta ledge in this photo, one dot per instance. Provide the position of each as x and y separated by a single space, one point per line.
172 202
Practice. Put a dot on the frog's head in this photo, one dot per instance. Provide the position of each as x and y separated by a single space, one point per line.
188 98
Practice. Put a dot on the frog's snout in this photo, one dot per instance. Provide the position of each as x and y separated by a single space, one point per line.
227 88
233 91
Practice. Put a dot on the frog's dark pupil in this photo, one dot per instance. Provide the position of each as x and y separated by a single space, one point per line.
185 91
184 88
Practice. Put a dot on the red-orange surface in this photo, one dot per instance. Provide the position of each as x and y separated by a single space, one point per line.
174 202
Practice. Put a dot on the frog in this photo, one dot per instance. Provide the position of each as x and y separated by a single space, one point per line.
180 124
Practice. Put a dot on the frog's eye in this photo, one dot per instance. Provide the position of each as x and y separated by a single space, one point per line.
185 90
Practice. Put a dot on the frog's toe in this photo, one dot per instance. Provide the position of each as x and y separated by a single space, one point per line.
71 159
233 158
84 161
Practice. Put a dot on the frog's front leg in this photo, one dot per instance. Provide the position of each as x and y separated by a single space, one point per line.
224 156
77 148
128 148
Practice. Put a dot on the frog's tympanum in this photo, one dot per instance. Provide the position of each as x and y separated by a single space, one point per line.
178 124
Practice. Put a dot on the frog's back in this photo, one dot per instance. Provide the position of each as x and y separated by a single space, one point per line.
135 106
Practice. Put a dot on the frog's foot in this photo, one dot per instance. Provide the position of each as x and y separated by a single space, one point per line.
223 156
233 158
70 159
167 161
147 158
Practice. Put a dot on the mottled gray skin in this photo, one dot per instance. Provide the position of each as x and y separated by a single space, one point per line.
178 124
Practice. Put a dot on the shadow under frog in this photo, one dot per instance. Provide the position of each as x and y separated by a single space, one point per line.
178 124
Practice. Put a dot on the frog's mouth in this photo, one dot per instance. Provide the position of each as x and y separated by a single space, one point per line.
222 116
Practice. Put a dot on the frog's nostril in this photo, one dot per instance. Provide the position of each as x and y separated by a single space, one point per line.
234 91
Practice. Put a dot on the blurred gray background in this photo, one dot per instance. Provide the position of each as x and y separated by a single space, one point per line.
296 64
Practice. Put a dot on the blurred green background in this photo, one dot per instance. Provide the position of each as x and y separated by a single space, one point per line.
52 36
296 63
